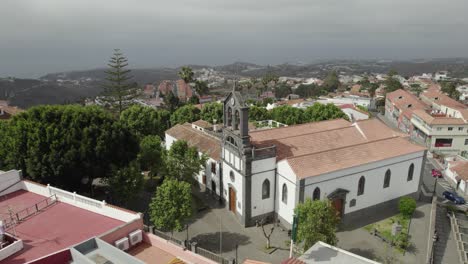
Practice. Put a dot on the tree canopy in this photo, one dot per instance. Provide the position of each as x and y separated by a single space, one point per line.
201 87
125 183
119 91
331 82
211 111
171 101
287 115
182 162
186 113
171 205
258 113
186 74
151 154
321 112
317 221
144 121
309 90
450 88
65 145
282 90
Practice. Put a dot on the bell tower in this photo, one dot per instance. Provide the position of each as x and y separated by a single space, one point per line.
236 157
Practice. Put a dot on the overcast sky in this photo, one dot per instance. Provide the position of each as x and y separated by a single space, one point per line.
41 36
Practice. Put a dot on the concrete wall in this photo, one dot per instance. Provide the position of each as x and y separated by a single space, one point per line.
175 250
374 174
63 256
11 180
99 207
11 249
121 231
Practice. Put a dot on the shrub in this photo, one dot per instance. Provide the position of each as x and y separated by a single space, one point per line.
401 241
407 205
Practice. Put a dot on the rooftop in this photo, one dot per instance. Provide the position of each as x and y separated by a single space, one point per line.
439 98
205 143
322 147
461 168
404 100
438 119
52 229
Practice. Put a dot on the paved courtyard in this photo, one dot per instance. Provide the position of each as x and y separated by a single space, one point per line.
206 226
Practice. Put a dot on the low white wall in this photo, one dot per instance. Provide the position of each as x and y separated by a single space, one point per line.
11 249
99 207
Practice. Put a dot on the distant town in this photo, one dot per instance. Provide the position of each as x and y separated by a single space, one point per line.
235 164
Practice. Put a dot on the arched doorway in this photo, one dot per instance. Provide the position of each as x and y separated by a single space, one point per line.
232 199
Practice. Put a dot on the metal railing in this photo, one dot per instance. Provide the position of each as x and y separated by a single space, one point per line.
210 255
17 217
196 249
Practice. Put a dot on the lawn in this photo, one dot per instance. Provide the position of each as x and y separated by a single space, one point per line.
384 227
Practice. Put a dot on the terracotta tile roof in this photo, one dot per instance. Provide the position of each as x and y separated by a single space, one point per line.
431 120
291 131
405 100
352 156
249 261
203 124
202 141
461 168
306 147
292 261
441 99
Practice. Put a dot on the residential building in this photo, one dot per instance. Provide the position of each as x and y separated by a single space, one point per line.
443 128
457 172
324 253
362 167
179 88
149 91
399 108
43 224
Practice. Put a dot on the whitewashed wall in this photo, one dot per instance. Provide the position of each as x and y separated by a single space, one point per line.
285 175
262 170
11 249
237 183
374 173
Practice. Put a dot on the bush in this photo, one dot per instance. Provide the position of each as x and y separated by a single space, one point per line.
407 205
402 241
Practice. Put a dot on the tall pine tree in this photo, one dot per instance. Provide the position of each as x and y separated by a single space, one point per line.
119 92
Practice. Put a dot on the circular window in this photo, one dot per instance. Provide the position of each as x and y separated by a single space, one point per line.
231 175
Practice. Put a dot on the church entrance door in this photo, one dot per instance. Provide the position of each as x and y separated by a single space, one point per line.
232 200
338 205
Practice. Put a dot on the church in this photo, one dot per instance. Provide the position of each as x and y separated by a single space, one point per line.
362 167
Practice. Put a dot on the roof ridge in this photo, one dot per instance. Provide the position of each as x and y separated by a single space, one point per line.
343 147
315 132
299 125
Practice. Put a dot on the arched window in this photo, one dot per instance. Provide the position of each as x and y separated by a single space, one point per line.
266 189
361 185
284 196
229 116
388 174
410 172
231 175
316 195
236 120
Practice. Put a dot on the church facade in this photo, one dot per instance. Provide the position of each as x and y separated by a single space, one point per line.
361 167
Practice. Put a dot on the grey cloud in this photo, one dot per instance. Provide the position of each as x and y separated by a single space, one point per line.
37 37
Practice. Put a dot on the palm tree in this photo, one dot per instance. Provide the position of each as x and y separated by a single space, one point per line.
186 74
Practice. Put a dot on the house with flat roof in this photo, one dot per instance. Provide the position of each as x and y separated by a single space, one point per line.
45 224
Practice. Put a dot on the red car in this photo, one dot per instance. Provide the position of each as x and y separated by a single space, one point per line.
436 173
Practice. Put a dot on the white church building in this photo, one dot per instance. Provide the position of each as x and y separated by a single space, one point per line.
361 167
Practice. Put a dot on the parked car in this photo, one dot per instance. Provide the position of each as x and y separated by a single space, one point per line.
436 173
453 197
